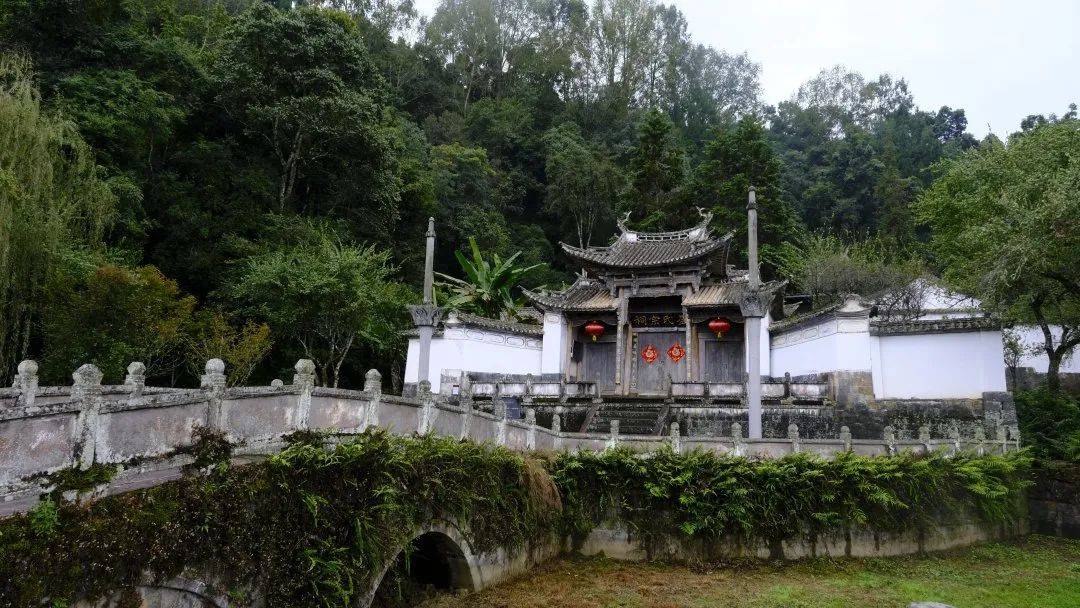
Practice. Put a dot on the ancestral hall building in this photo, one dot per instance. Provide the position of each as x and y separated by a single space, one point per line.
663 324
648 310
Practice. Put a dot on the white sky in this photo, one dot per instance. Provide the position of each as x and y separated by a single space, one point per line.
999 61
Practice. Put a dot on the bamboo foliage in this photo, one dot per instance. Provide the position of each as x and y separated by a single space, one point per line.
52 200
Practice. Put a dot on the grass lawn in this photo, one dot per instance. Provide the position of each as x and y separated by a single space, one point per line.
1038 572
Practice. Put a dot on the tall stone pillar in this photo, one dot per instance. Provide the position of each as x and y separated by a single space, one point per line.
753 309
427 315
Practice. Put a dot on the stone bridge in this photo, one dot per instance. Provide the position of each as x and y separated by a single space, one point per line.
439 555
138 428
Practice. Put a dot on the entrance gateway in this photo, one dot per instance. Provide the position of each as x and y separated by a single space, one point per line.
653 308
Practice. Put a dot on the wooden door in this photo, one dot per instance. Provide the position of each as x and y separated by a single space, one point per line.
721 360
660 354
599 363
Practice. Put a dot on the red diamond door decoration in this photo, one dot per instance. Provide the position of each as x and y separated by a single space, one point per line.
676 352
649 354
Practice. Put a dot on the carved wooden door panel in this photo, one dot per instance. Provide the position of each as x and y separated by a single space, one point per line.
722 360
659 354
599 363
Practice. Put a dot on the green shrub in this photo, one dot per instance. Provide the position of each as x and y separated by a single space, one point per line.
708 497
1049 424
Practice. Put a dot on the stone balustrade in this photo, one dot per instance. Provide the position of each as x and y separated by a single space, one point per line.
140 428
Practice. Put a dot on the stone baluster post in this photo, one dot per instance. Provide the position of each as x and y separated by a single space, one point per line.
845 438
676 437
87 391
1000 436
1014 432
135 380
954 437
737 446
793 437
889 438
373 394
613 437
980 440
530 419
528 397
213 382
426 417
556 428
924 438
498 406
304 383
26 381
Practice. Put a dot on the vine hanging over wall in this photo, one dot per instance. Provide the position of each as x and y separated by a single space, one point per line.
314 525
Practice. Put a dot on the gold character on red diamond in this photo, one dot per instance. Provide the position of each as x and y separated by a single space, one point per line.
649 354
676 352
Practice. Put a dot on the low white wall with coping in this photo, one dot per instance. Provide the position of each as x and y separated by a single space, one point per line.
477 350
953 365
826 346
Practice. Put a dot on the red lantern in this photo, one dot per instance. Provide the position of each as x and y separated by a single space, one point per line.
594 329
719 326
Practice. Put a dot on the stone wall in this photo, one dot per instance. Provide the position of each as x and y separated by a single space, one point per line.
1054 500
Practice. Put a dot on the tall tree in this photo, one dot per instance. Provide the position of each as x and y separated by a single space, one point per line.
327 296
656 170
53 200
1005 230
582 183
735 159
301 85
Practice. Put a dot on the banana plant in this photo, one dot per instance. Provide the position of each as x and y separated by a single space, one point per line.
487 288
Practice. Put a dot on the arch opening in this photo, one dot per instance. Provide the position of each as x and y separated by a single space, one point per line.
432 563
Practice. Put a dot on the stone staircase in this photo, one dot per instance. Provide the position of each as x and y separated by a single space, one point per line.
635 416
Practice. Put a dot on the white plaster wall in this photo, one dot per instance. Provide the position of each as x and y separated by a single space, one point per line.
475 350
827 346
1031 337
937 366
554 345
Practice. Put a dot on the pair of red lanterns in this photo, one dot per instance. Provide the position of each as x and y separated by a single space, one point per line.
718 326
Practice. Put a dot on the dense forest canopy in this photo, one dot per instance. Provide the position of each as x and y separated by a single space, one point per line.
206 168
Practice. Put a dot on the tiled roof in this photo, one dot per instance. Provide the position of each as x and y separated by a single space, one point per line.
933 326
471 320
799 319
584 295
638 251
715 295
498 324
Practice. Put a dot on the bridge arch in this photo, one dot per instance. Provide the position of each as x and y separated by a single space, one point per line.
437 555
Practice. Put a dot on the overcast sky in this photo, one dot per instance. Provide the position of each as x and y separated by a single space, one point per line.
1000 61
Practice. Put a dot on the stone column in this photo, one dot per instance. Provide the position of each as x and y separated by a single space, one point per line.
87 391
676 437
620 342
753 309
426 316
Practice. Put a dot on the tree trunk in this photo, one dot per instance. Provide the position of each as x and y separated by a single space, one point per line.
1053 370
